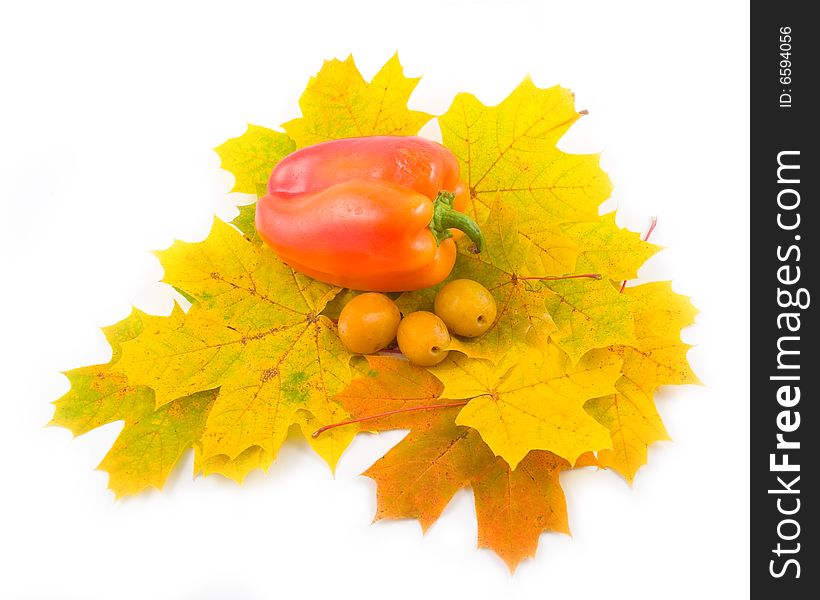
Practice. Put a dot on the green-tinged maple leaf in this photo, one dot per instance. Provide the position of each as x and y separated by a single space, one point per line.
226 272
334 306
149 447
607 249
339 103
252 156
510 149
532 400
245 222
98 396
522 315
254 332
151 441
420 475
657 357
588 314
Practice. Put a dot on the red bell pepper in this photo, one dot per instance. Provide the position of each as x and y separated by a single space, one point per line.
374 213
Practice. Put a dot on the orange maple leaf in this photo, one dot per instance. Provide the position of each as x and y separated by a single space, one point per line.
419 476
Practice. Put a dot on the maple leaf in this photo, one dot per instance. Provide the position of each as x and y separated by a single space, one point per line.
659 311
510 149
633 423
532 400
254 332
387 384
151 441
245 222
339 103
147 449
658 357
514 507
237 468
508 152
588 315
334 306
252 156
420 475
97 396
555 251
608 249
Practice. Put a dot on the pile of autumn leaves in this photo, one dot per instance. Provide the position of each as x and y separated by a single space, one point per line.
564 379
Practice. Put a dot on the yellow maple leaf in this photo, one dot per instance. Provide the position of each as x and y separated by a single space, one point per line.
532 400
657 357
634 424
256 457
231 276
660 311
555 252
510 149
237 468
252 156
508 155
612 251
255 333
339 103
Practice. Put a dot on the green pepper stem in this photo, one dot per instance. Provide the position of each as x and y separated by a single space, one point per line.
445 218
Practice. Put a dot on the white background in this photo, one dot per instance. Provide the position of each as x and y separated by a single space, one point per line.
107 119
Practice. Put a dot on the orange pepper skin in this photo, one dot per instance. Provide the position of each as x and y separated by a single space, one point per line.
357 212
427 276
413 162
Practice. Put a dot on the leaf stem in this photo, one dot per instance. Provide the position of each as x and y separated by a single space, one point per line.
596 276
653 222
399 411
